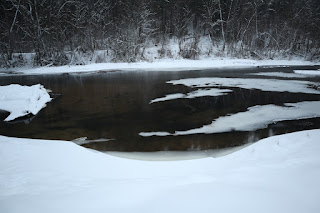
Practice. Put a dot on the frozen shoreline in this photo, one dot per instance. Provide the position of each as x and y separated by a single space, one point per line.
276 174
159 65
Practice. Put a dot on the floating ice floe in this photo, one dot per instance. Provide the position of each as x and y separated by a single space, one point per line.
23 100
273 85
169 97
198 93
281 74
257 117
149 134
307 72
84 140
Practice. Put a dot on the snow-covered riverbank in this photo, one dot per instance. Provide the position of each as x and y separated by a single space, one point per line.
159 65
277 174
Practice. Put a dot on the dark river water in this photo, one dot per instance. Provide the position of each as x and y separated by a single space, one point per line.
115 105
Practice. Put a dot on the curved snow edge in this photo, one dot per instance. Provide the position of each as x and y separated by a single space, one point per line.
42 176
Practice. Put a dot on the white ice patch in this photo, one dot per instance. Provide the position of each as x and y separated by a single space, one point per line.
281 74
307 72
273 85
84 140
149 134
257 117
22 100
198 93
168 97
208 92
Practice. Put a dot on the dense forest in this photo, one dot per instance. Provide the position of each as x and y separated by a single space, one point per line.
57 31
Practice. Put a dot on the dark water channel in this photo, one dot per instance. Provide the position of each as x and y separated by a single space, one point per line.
115 105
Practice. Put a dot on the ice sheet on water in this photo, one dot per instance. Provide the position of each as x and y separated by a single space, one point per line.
208 92
257 117
84 140
308 72
149 134
23 100
273 85
169 97
198 93
281 74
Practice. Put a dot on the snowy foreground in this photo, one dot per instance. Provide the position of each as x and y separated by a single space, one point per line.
277 174
158 65
22 100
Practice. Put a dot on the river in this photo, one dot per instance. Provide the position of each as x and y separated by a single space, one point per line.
116 105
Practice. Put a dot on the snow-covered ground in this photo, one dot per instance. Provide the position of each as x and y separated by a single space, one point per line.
159 65
23 100
278 174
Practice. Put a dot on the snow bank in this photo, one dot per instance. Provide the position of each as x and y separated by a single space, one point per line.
257 117
198 93
277 174
22 100
272 85
159 65
307 72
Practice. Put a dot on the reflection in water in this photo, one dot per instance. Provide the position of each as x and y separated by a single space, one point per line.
177 155
116 105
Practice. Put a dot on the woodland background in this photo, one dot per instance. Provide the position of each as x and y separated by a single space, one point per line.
59 32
